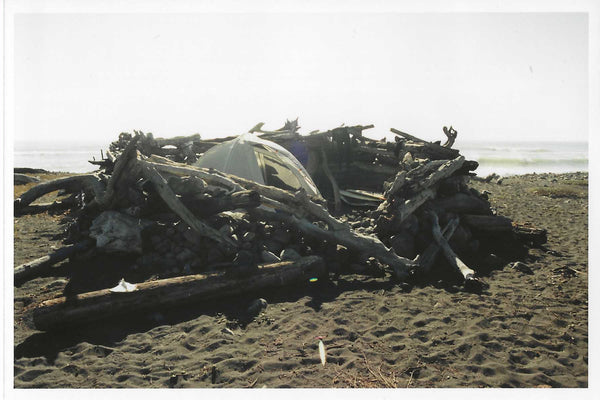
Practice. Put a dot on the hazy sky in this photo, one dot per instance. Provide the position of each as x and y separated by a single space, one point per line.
520 76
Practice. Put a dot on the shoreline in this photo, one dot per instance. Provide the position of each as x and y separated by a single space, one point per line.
524 331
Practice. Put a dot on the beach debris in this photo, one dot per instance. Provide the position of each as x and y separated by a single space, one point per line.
228 331
322 352
566 271
186 226
123 287
257 306
213 374
521 267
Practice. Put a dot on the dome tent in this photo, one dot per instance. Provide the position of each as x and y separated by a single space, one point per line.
259 160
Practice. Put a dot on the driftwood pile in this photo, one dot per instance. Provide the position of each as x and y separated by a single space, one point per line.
194 234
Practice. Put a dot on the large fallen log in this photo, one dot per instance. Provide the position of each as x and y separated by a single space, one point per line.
63 312
35 268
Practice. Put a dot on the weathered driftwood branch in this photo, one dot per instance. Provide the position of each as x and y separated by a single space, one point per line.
391 191
177 141
408 136
452 258
433 150
35 268
71 184
175 204
62 312
56 205
360 243
334 185
425 260
451 134
165 165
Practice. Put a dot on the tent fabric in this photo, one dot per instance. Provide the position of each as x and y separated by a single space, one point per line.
259 160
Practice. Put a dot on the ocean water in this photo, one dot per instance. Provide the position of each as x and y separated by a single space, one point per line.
58 156
514 158
503 158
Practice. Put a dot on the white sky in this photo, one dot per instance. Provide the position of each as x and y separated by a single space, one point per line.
513 76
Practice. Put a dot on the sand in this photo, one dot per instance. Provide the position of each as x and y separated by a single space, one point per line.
525 330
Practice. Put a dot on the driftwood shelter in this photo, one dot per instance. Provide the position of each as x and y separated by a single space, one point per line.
190 233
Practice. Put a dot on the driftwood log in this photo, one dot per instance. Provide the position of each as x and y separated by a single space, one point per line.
71 184
451 257
35 268
530 235
56 205
62 312
426 259
22 179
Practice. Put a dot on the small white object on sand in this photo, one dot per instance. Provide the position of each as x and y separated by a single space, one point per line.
123 287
